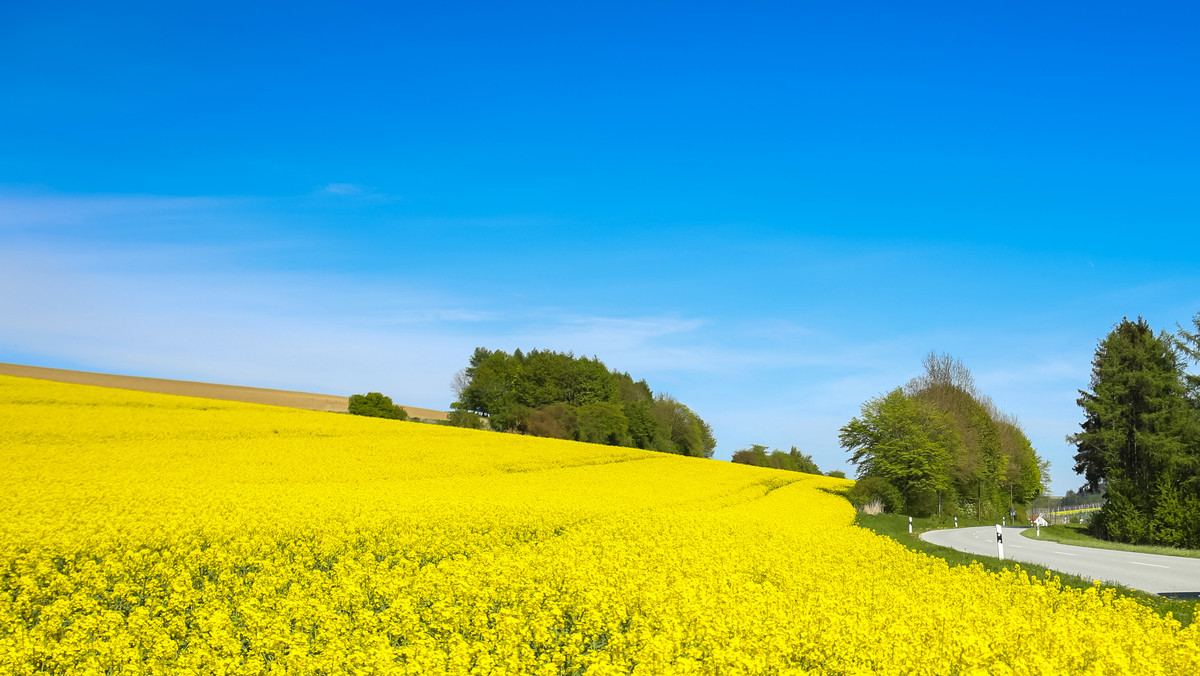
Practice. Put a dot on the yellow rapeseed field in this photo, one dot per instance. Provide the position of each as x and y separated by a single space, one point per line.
144 534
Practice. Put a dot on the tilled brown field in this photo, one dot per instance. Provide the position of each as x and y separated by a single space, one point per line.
252 395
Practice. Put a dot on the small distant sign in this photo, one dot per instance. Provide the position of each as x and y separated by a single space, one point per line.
1041 521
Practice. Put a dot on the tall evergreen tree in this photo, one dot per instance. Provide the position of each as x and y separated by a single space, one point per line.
1134 440
1188 343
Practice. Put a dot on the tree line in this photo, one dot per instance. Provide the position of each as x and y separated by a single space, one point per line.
553 394
792 461
1139 442
938 445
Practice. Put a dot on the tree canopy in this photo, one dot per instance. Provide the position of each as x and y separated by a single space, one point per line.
902 441
376 405
1188 344
941 444
554 394
792 461
1138 439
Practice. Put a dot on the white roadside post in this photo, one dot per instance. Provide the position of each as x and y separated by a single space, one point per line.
1004 520
910 525
1000 541
1039 522
956 522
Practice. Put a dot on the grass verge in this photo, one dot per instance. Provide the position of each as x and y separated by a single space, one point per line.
1077 535
895 527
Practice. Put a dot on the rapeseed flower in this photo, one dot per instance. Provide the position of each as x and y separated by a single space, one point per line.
146 534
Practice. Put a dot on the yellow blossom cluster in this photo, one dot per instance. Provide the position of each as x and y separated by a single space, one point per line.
148 534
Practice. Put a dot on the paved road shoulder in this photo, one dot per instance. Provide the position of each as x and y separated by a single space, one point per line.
1148 572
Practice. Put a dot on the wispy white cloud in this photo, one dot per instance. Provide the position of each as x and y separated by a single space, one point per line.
164 311
207 308
344 189
268 330
26 210
331 333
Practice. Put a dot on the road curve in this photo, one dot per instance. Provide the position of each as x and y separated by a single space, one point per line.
1147 572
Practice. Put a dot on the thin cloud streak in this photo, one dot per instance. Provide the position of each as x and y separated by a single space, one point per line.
344 334
343 189
35 210
166 299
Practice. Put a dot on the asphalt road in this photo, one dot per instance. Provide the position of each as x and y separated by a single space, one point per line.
1147 572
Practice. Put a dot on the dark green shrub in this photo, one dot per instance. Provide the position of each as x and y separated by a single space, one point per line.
511 418
871 488
467 419
603 423
756 455
1176 520
552 420
780 460
804 462
641 422
1121 520
921 503
376 405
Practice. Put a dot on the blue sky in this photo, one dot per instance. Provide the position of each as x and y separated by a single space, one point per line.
771 211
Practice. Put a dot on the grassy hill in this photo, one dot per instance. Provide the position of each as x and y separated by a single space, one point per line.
150 533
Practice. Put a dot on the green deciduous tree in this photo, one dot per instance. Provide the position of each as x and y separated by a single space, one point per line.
686 433
557 421
902 441
556 394
756 455
993 466
376 405
791 461
871 488
944 446
803 462
467 419
603 422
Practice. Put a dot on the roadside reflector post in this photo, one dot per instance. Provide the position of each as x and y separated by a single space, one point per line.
1039 530
910 525
1000 541
956 522
1004 520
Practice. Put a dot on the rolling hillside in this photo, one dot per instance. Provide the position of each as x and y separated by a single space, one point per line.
250 395
143 533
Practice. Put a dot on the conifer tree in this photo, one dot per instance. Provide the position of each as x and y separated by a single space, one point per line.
1188 343
1134 440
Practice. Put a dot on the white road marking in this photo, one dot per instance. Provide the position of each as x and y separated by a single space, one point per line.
1139 563
1066 553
